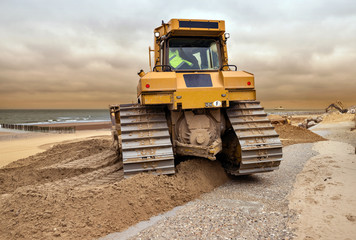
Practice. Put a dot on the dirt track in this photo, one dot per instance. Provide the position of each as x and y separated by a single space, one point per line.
74 190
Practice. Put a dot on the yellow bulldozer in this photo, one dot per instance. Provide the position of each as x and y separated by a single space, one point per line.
194 103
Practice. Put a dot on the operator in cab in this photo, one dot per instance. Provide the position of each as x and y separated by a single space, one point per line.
176 61
193 54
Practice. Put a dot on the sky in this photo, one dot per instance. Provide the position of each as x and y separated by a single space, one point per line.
86 53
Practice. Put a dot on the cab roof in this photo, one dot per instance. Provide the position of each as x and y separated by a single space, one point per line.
192 27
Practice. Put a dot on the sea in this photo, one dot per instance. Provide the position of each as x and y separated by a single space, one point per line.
48 116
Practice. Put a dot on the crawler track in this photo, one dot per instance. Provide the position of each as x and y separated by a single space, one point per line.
145 140
261 149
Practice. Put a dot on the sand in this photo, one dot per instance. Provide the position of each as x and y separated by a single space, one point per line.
75 189
81 207
290 134
324 193
52 165
17 145
337 117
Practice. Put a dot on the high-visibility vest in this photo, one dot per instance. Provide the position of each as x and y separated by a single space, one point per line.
176 61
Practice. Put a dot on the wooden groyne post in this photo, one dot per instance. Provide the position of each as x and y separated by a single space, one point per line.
36 128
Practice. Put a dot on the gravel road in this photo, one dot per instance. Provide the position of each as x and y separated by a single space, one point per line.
250 207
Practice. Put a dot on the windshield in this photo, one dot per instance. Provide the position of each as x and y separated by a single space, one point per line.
193 54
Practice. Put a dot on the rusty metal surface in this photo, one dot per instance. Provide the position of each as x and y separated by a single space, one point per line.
261 148
198 133
145 140
208 152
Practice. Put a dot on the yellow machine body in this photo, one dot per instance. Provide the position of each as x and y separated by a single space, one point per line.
193 103
158 87
170 88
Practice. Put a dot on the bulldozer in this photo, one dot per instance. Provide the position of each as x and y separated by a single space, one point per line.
193 103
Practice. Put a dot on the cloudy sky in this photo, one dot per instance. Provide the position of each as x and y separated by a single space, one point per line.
86 53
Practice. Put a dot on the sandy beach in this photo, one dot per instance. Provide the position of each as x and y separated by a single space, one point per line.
70 186
20 144
323 195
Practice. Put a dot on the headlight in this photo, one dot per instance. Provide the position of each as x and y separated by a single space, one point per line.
217 104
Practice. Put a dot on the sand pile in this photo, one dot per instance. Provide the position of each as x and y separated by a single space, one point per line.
335 117
32 170
290 134
56 206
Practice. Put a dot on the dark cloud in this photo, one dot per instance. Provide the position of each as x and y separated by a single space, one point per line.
87 53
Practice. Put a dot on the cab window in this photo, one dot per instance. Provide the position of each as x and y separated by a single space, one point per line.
193 54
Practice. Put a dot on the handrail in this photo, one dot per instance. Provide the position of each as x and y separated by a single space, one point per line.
163 68
228 65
